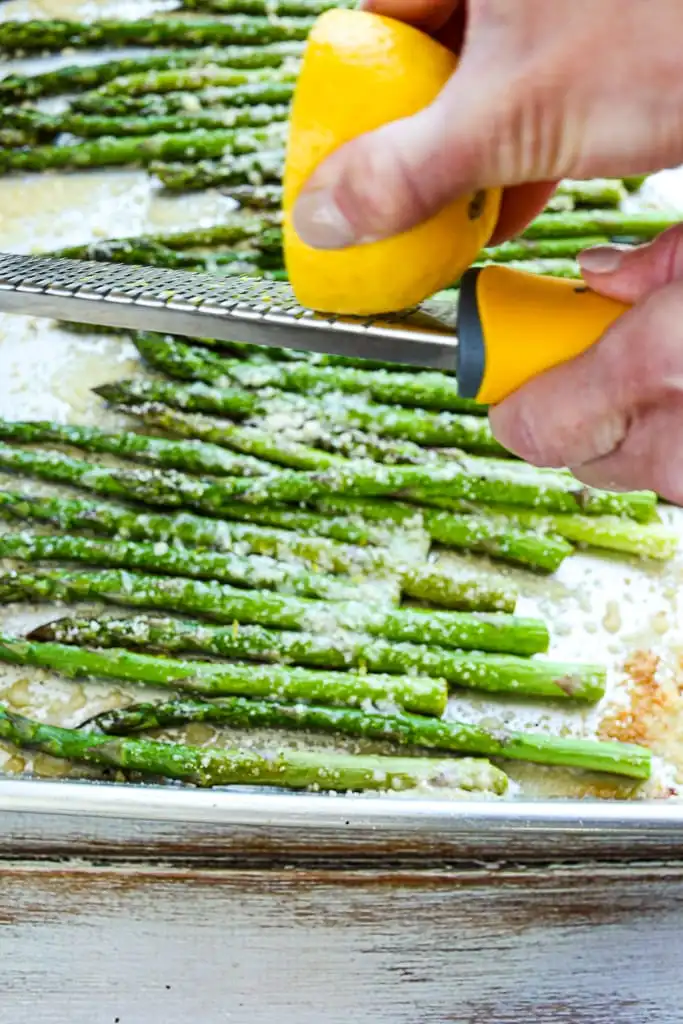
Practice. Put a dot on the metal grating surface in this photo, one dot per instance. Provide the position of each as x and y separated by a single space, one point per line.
200 305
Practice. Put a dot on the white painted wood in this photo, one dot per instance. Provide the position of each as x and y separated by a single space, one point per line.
590 945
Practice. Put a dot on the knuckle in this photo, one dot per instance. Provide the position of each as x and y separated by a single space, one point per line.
380 189
518 426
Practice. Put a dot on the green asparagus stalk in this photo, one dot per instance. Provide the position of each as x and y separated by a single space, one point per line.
403 729
368 552
264 444
611 533
569 269
242 571
478 483
635 182
540 249
255 169
481 531
356 444
492 672
285 769
253 524
183 101
237 229
582 223
285 448
559 204
134 150
53 36
469 432
496 633
193 79
244 350
74 78
428 390
423 695
452 588
11 138
266 8
48 126
256 197
224 603
191 456
596 192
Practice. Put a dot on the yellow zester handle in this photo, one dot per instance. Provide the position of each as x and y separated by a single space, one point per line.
512 326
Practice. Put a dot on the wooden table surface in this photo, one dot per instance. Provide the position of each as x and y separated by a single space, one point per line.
112 943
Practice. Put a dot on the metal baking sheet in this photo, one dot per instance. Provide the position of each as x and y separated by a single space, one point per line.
599 608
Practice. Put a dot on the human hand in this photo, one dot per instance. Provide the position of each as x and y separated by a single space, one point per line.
614 415
543 91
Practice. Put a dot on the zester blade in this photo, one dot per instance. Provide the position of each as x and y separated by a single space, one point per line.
227 309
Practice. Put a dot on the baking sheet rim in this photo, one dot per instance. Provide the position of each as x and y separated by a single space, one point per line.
301 811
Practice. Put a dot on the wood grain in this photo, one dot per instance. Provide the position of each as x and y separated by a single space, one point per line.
590 945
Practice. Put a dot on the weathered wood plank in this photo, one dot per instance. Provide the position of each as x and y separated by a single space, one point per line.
587 945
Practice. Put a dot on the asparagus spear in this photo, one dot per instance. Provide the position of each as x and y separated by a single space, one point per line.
403 729
475 482
634 182
492 672
596 192
159 557
128 523
193 79
560 204
133 150
476 631
581 223
286 769
245 350
422 695
541 248
611 533
227 604
238 228
48 126
466 431
273 8
357 444
472 530
15 137
428 390
197 531
52 36
255 197
256 169
569 269
183 101
264 444
145 249
476 530
192 456
74 78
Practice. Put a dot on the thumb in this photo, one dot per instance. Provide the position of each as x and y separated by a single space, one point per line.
630 274
387 181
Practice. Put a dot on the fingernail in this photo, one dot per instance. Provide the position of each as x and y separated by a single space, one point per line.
603 259
320 223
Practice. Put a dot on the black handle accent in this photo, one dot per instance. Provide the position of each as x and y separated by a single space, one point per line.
471 356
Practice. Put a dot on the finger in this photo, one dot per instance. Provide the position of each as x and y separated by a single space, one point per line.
582 411
629 274
430 15
521 204
649 458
